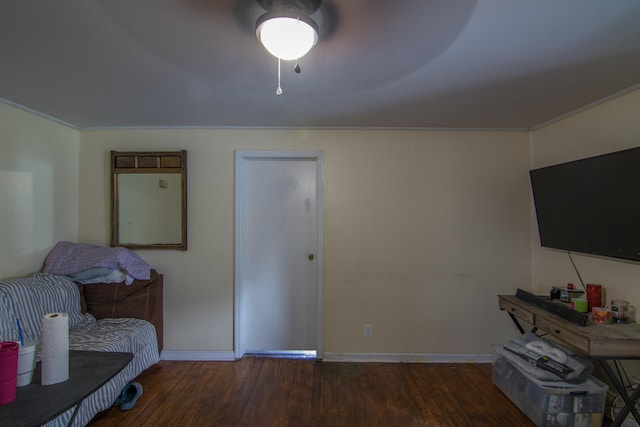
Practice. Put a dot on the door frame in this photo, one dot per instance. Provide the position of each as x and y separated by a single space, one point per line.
241 160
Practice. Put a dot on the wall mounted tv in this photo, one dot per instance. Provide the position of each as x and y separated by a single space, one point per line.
591 205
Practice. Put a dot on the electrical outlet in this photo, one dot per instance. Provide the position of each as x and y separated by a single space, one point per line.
368 331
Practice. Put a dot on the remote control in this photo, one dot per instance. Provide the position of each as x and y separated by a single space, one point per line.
543 362
552 366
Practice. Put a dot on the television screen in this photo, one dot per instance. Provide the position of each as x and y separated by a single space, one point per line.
591 205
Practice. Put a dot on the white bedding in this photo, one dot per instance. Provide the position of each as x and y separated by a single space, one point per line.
120 335
29 298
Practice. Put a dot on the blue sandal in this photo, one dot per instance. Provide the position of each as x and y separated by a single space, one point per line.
130 395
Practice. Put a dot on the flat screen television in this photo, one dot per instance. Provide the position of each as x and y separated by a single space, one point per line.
591 205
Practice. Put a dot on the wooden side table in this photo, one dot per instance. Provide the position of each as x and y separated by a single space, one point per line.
36 404
603 343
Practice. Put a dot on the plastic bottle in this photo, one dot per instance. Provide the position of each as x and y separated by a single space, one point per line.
631 313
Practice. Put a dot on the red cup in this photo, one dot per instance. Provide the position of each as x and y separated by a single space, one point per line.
594 296
8 371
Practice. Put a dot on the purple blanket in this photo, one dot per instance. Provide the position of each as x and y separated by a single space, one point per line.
70 258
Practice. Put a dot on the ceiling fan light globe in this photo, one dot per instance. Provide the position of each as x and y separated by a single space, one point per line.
287 38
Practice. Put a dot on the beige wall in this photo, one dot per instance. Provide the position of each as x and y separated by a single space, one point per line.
608 127
422 230
38 189
611 126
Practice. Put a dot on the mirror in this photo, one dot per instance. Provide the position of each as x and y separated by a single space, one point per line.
149 199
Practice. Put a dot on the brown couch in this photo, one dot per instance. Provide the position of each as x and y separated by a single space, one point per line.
140 300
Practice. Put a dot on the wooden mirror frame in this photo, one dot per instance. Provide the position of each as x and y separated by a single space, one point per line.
148 162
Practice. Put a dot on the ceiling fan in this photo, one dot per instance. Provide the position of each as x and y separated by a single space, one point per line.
286 29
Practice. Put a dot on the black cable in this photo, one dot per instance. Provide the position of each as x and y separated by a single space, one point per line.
576 269
626 380
618 367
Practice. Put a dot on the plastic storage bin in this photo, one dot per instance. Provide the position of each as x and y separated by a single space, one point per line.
572 405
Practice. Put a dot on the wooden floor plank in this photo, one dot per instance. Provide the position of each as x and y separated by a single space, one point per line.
288 392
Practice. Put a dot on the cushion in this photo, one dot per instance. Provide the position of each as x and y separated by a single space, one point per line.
30 298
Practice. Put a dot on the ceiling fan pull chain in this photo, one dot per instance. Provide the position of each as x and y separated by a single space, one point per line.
279 90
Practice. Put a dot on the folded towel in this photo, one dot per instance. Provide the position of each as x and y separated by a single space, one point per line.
71 258
581 365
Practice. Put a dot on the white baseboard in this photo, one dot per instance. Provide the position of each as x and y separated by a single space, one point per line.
407 358
223 356
195 355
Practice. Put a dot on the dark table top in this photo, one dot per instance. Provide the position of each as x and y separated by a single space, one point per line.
36 404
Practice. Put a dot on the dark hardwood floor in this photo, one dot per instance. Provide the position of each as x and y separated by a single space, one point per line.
288 392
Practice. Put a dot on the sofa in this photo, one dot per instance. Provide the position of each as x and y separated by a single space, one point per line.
140 299
30 298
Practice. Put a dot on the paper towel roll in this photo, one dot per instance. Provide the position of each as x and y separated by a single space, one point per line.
55 348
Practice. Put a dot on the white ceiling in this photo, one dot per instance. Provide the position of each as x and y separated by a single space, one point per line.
495 64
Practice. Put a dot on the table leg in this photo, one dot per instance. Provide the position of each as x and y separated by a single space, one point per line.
515 321
73 416
630 401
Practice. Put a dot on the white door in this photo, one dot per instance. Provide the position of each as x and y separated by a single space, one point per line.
278 252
